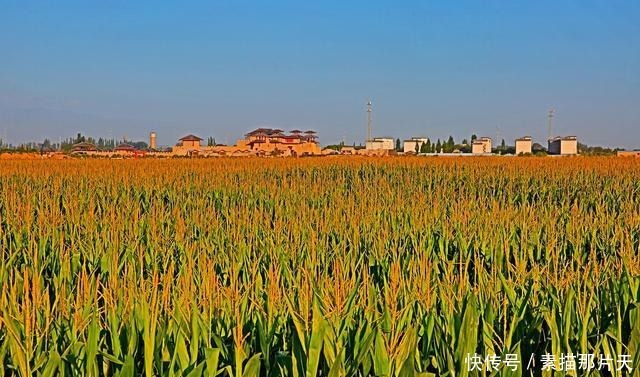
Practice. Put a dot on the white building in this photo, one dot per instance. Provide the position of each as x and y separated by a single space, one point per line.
378 143
481 146
413 145
564 146
524 145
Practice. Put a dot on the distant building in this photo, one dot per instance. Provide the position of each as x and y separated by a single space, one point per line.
329 152
259 142
563 146
628 153
414 144
190 141
348 150
83 148
153 141
275 141
481 145
380 143
127 148
524 145
187 146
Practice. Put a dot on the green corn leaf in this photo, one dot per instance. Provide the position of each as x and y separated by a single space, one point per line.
252 368
381 362
53 365
318 328
212 356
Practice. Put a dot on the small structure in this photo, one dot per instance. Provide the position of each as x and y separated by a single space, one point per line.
414 144
348 150
187 146
329 152
190 141
629 154
83 148
380 143
524 145
153 141
481 146
125 148
563 146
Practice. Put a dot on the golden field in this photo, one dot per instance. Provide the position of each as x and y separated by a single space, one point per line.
315 267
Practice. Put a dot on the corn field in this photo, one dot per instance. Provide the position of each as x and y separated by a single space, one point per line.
316 267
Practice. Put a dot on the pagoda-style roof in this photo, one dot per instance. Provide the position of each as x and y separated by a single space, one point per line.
271 132
191 138
259 131
84 146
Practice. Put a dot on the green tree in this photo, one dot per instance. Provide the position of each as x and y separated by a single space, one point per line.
438 146
140 145
424 147
398 148
450 145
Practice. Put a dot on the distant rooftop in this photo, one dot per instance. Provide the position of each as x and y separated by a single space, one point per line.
566 138
191 138
125 147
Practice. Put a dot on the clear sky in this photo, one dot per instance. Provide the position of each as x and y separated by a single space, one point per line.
221 67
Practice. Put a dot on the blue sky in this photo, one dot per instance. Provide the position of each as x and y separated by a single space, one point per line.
221 68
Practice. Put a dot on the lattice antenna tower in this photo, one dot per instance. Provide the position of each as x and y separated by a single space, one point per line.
369 119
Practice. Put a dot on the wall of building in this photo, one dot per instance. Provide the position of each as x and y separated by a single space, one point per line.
191 144
569 147
380 143
564 147
524 146
410 145
481 146
267 146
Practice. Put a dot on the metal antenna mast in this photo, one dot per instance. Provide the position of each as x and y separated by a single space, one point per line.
369 119
551 114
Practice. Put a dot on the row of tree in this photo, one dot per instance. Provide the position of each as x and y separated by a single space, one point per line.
67 144
448 146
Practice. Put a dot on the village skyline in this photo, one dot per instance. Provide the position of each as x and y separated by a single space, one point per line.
221 69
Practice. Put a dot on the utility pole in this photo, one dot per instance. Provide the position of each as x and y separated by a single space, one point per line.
550 115
369 119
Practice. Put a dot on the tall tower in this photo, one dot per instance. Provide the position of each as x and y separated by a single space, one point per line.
550 115
369 119
153 141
